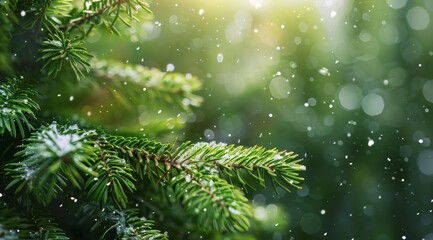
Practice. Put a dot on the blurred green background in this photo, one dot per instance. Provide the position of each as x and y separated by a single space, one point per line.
345 84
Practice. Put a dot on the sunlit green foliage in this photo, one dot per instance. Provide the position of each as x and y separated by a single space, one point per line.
107 13
69 174
57 157
60 50
169 87
229 161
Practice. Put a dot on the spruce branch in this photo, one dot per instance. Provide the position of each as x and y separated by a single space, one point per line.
27 224
46 227
165 99
172 88
199 169
44 15
49 158
131 147
148 158
60 50
9 220
114 178
228 160
119 224
106 12
16 107
141 228
114 175
59 9
8 6
216 204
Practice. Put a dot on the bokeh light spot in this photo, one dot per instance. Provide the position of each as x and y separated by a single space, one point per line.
373 104
396 4
280 87
350 96
427 90
418 18
425 162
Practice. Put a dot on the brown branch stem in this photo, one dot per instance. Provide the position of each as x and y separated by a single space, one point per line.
83 19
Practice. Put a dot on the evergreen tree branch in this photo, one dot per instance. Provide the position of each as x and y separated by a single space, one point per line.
57 159
224 206
172 88
10 221
16 107
94 10
216 204
141 228
228 160
114 178
165 99
49 158
31 224
107 12
60 50
119 224
59 9
148 158
131 147
199 169
43 15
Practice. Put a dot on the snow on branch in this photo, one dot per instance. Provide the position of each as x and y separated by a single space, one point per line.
169 87
115 223
16 108
51 156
